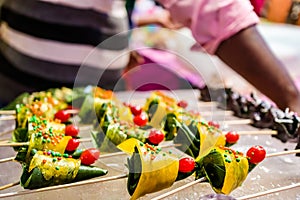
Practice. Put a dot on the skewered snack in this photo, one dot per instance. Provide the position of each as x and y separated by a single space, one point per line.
262 114
92 102
163 111
115 125
151 169
46 135
197 138
46 170
57 96
226 169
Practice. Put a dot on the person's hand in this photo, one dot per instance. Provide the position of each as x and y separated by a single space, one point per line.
164 19
135 60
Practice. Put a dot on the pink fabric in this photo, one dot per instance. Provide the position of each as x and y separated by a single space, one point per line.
212 21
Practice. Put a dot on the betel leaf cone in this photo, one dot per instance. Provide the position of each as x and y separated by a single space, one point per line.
225 169
150 169
198 138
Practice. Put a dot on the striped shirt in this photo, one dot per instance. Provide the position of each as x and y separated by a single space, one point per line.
65 40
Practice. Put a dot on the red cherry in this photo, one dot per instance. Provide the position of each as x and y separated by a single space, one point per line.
141 120
156 136
232 137
186 165
72 144
136 110
214 124
62 115
256 154
89 156
71 130
182 104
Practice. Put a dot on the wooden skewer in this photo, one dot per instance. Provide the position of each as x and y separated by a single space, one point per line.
207 104
81 128
80 183
4 139
271 191
282 153
9 185
101 157
241 198
7 118
203 179
6 132
217 112
17 144
156 198
7 112
7 159
236 122
13 112
258 132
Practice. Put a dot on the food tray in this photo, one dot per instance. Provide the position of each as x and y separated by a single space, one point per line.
271 173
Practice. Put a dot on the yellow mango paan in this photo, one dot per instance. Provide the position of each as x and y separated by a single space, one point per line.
150 169
225 169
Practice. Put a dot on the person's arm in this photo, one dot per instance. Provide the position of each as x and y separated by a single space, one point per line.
247 53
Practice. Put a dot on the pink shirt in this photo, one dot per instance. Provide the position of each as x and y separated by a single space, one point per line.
212 21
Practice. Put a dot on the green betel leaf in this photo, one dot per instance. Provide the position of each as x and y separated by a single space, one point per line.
188 139
135 170
214 167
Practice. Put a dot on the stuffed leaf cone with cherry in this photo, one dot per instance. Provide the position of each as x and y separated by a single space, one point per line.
227 169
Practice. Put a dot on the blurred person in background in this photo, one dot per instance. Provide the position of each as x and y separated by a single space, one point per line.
44 44
228 29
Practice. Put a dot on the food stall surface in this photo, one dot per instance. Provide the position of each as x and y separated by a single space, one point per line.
271 173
